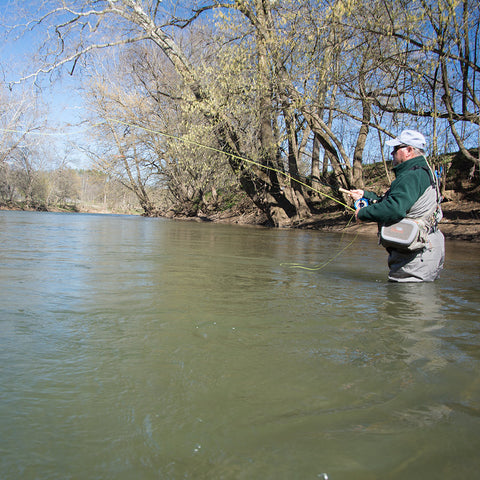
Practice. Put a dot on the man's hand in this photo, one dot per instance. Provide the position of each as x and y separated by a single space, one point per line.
356 215
356 194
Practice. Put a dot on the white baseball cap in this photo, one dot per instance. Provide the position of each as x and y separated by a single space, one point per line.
409 137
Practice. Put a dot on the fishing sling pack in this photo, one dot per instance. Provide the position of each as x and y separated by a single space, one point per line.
410 234
403 235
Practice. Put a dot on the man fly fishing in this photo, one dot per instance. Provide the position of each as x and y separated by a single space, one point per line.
408 213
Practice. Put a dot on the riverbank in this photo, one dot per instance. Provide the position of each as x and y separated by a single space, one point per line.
461 221
461 206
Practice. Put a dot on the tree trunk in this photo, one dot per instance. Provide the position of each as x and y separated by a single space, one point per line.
360 145
315 170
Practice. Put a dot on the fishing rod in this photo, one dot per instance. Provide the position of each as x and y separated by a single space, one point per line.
198 144
236 157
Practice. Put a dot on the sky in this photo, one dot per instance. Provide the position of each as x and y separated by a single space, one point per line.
66 109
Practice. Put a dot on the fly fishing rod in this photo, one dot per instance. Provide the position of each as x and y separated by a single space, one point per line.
236 157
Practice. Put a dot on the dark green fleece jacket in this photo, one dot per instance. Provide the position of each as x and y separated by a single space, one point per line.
411 181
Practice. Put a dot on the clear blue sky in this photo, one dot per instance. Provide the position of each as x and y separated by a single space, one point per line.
65 105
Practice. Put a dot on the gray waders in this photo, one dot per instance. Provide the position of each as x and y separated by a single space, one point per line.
424 264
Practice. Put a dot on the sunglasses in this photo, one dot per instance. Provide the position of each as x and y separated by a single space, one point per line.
398 147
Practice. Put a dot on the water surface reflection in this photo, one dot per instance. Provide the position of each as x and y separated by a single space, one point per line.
145 348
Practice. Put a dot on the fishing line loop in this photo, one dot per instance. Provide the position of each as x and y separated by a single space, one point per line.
236 157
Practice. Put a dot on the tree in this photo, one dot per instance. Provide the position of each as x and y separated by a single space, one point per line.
145 137
21 120
426 63
279 77
139 23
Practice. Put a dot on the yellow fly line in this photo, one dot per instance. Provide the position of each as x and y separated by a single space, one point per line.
247 160
330 260
192 142
237 157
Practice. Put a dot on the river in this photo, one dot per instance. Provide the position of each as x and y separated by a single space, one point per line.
140 348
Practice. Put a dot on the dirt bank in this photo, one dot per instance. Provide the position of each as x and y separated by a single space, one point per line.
461 205
461 221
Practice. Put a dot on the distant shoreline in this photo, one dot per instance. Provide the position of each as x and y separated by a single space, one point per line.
461 220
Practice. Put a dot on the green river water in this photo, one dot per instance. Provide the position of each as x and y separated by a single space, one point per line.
136 348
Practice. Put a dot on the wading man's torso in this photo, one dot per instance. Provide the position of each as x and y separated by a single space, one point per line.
413 194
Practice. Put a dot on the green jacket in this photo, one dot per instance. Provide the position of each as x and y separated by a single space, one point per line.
411 181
